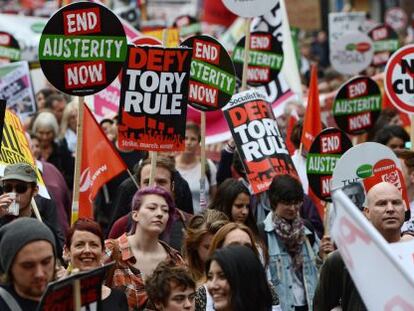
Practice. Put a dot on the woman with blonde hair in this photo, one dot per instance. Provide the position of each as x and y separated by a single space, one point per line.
200 231
234 233
68 125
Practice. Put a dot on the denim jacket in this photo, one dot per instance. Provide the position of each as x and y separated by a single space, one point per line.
280 261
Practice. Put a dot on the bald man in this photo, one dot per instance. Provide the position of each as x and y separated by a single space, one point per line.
385 209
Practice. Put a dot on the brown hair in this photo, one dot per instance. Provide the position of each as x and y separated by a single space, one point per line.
408 157
162 162
191 126
207 222
221 234
158 286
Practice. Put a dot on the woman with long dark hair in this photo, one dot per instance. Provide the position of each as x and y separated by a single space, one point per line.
237 280
233 199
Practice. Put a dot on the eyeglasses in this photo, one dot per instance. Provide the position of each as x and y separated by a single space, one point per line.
19 188
294 204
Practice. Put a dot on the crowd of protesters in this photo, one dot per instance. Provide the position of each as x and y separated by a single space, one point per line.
241 251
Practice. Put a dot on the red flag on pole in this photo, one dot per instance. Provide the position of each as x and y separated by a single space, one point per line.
293 118
312 126
312 121
100 163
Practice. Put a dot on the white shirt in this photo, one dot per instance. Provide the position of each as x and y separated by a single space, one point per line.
193 176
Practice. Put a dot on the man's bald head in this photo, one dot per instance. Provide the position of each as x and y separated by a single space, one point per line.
382 187
385 209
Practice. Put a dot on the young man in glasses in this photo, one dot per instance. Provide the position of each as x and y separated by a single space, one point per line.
19 185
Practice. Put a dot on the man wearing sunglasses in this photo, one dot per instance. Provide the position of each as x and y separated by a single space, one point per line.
19 185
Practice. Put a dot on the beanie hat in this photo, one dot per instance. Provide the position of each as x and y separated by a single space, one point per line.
18 233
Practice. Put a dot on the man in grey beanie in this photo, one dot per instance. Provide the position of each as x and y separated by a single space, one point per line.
27 262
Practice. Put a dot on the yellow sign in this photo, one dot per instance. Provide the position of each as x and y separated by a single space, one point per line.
15 148
173 38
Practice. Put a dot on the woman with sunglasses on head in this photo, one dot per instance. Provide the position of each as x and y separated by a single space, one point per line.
84 247
237 280
139 252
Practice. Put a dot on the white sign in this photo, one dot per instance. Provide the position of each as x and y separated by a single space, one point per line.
399 84
396 18
384 284
341 23
250 8
352 53
357 160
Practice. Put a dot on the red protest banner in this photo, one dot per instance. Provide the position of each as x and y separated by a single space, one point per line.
154 95
258 139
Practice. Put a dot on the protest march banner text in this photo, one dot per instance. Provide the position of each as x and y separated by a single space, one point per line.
154 93
321 160
357 105
212 80
82 48
258 139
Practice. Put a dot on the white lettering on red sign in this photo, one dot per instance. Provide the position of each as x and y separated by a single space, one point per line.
206 51
258 74
380 33
357 89
331 143
203 94
260 42
326 186
84 74
4 39
360 121
82 21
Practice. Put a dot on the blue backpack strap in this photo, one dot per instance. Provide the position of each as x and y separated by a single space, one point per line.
9 300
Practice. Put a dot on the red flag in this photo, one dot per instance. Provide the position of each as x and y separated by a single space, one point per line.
312 121
293 118
100 163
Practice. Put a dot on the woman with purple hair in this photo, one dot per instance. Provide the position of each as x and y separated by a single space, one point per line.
138 253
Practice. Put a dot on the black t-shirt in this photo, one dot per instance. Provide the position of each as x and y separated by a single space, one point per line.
115 301
25 304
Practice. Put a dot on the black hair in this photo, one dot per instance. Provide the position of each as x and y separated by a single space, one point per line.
285 188
246 276
385 134
225 196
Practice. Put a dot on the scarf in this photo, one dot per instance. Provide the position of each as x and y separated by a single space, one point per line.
292 234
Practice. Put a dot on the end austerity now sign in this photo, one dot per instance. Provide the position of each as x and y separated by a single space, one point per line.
82 48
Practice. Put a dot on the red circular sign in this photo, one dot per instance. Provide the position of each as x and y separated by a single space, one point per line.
399 79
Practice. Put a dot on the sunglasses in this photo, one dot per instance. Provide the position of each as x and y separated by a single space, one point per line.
19 188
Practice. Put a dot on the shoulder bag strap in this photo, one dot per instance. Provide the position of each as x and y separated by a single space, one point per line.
9 300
